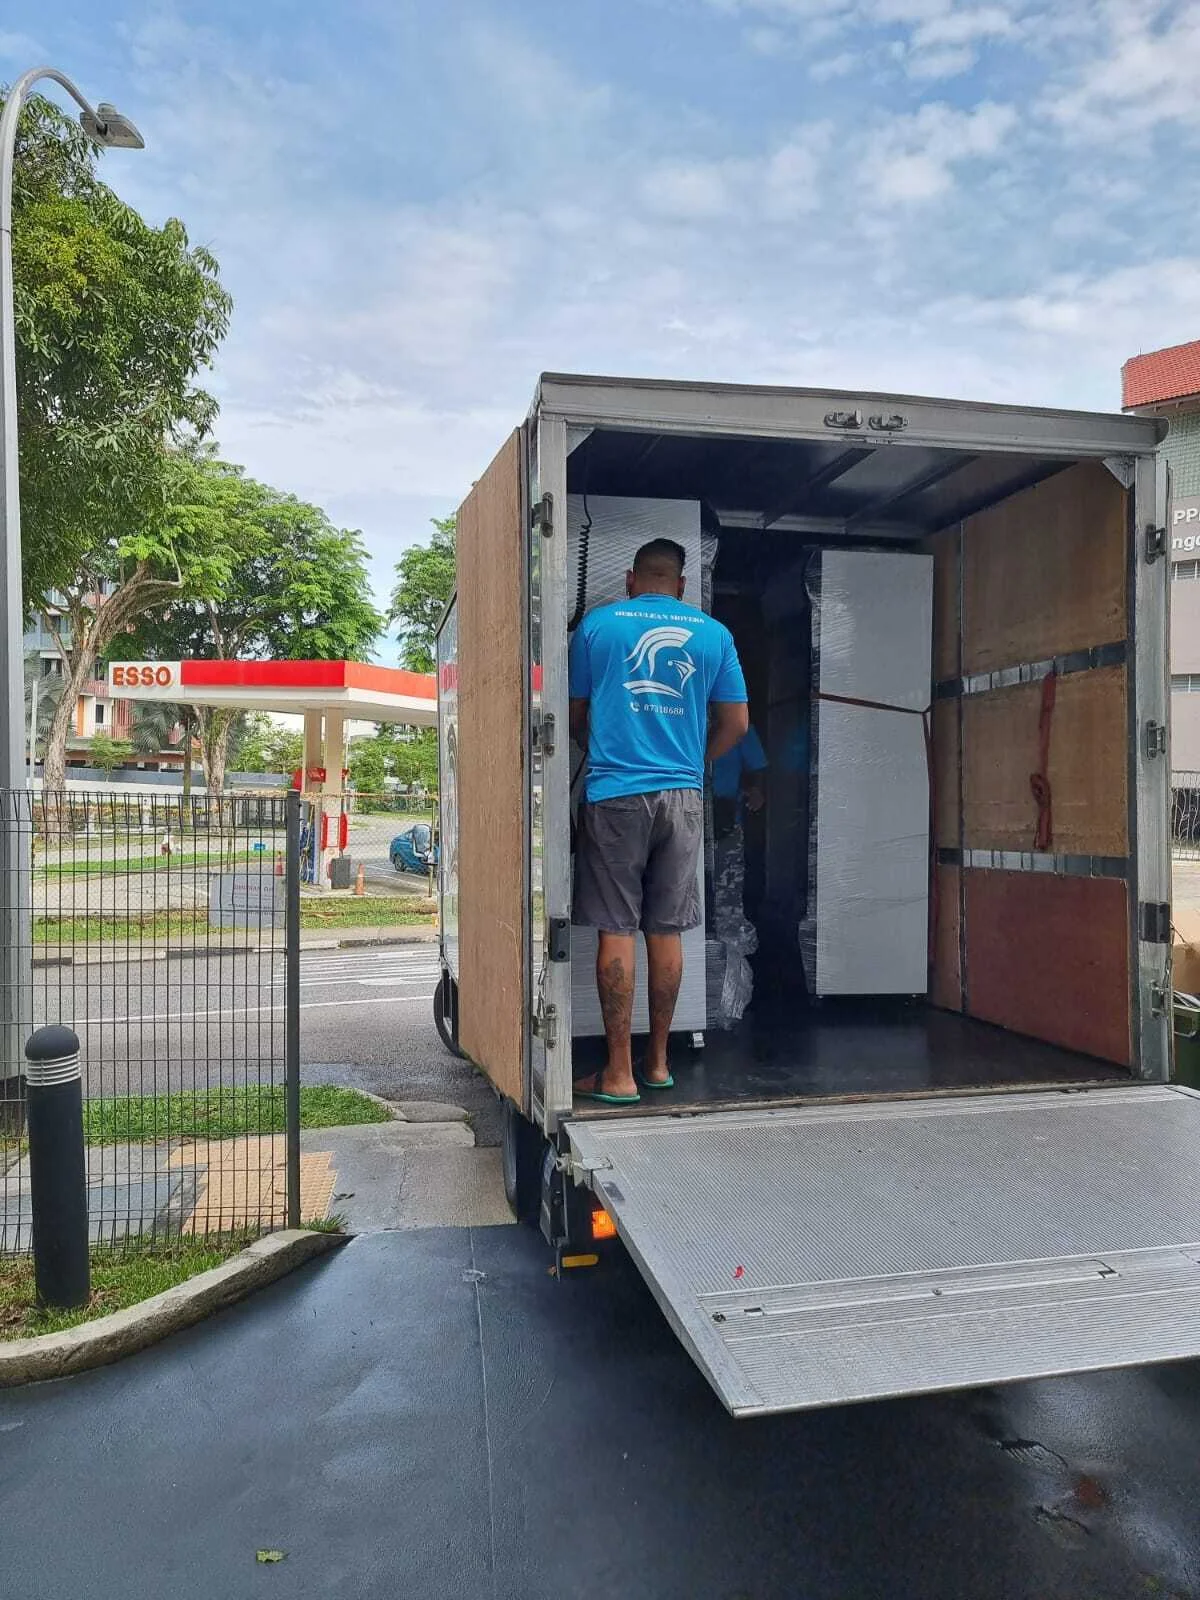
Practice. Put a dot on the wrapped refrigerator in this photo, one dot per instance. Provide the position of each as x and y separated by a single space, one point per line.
866 930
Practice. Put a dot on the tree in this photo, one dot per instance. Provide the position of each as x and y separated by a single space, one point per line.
154 726
266 747
416 759
107 753
114 320
48 687
369 766
296 588
425 577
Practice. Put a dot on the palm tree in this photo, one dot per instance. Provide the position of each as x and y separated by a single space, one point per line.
48 688
154 722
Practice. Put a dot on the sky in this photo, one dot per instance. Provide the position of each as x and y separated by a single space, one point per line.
420 205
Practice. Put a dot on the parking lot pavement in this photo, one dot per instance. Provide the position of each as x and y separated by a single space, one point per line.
430 1414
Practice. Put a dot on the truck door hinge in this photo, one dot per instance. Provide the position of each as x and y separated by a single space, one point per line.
1156 543
1155 740
1154 917
1160 1000
545 1025
543 516
558 938
543 735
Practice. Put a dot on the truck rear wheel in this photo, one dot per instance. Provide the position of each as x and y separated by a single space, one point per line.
445 1014
521 1149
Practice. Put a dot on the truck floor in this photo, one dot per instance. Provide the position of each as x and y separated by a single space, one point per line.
852 1048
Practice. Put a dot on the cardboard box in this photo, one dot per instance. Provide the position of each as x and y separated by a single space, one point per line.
1185 949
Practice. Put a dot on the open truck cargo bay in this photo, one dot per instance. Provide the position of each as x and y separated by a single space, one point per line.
1002 1149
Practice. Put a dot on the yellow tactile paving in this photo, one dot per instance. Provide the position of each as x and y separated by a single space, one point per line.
243 1182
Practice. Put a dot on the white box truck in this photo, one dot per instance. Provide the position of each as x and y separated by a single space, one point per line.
855 1192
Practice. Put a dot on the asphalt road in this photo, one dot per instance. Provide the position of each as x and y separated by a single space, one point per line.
430 1414
366 1020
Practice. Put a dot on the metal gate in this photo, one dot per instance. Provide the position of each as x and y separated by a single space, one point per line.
163 929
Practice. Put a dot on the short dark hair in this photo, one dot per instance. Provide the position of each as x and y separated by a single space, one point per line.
658 551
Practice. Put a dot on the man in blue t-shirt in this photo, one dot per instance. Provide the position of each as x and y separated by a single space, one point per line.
656 691
735 780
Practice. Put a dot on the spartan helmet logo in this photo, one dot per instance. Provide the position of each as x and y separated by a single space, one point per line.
643 662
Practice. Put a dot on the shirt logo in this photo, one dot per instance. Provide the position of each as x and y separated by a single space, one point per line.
642 661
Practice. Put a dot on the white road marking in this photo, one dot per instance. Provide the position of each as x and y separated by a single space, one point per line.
255 1011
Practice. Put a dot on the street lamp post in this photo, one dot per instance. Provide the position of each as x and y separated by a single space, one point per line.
105 126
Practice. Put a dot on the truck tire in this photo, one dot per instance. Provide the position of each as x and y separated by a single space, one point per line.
445 1015
522 1149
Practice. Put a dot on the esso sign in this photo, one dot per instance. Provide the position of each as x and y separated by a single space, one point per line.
143 675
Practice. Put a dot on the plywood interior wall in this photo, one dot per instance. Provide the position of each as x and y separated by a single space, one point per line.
945 981
1087 768
945 976
1044 572
1040 575
492 746
1048 957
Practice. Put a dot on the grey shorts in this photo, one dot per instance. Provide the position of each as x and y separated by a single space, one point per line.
636 861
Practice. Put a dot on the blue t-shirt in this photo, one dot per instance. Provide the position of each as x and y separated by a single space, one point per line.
746 756
649 668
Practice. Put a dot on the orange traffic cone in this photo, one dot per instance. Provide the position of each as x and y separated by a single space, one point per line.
360 882
279 863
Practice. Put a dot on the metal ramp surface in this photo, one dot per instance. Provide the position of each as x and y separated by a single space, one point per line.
810 1257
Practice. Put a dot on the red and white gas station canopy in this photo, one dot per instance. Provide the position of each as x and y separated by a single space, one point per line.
361 692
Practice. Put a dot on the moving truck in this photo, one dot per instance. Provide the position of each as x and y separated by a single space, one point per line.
942 1147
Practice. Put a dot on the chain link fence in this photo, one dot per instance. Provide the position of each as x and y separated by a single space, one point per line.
162 931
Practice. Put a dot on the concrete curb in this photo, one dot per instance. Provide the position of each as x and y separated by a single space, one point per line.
122 1333
310 939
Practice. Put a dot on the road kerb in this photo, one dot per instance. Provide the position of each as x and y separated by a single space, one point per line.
122 1333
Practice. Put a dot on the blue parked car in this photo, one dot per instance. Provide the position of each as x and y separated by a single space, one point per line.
414 850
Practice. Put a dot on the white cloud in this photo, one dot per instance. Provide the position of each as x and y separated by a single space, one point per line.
20 48
913 158
691 192
1143 74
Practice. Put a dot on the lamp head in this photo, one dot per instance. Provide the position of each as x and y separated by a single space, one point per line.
106 126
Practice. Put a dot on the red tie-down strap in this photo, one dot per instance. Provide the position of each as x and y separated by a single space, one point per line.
926 717
1039 781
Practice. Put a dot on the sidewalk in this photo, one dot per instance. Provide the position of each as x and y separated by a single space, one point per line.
174 950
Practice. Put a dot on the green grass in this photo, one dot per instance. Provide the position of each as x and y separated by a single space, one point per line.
221 1113
406 911
121 1276
116 865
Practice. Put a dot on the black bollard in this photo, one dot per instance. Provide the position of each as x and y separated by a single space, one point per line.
57 1171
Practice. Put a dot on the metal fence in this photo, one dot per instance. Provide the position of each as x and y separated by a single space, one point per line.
165 932
1185 815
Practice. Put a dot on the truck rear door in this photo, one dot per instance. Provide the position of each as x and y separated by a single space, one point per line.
808 1257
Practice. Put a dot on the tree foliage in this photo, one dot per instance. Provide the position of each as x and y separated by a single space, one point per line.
266 747
425 577
294 588
115 318
108 753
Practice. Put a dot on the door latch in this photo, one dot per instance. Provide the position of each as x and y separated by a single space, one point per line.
848 420
543 735
1156 543
545 1025
543 516
1155 740
1155 920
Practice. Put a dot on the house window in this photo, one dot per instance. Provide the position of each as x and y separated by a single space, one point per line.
1185 683
99 714
1183 570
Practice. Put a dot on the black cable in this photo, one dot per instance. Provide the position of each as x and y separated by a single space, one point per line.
581 586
